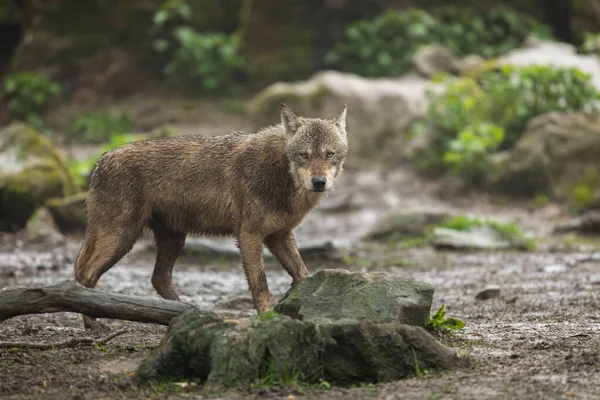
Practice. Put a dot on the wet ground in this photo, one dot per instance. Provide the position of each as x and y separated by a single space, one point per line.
540 339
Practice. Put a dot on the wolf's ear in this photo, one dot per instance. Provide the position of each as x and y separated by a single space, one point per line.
340 120
289 120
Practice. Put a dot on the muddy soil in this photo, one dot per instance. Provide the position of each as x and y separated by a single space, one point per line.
540 339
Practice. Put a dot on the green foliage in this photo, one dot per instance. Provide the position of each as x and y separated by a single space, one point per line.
591 44
99 126
385 45
520 93
582 195
489 34
269 315
439 322
205 62
473 117
198 62
469 152
28 93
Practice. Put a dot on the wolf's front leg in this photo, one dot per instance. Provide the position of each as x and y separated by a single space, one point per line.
284 248
251 249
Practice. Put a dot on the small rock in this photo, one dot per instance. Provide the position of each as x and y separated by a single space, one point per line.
490 292
238 303
406 224
588 223
479 238
470 63
434 59
337 294
41 227
555 268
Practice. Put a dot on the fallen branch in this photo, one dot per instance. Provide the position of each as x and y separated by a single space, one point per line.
70 296
65 343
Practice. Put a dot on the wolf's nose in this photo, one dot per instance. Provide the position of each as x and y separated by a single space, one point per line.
319 183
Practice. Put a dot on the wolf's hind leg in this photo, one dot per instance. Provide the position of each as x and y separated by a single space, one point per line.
100 251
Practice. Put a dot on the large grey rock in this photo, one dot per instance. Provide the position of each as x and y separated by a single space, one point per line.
434 59
237 353
380 111
377 297
406 225
556 155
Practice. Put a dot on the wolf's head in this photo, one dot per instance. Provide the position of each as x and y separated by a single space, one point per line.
316 148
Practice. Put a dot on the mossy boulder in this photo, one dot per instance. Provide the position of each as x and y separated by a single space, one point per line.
556 155
337 294
31 172
380 111
237 353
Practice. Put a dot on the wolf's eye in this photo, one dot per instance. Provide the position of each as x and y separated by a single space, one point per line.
329 154
303 155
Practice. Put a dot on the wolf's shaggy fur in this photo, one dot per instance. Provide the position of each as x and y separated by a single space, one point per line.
256 187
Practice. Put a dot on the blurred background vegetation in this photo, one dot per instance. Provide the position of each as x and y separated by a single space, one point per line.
501 95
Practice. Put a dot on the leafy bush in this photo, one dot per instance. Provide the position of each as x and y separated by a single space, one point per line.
520 93
489 34
469 152
201 62
28 93
591 43
385 45
205 61
474 117
98 126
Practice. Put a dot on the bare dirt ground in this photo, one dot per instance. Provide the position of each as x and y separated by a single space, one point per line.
540 339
